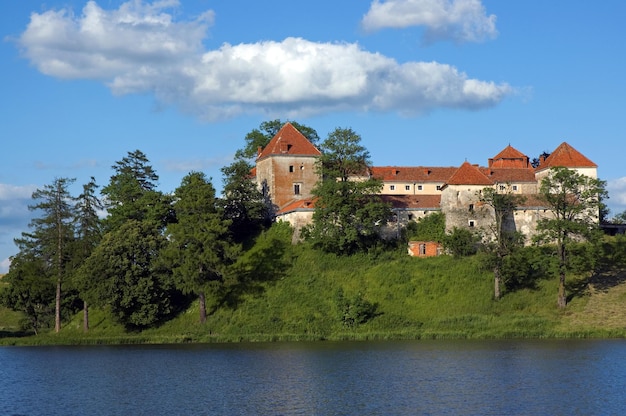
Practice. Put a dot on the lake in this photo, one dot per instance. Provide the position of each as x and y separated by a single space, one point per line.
520 377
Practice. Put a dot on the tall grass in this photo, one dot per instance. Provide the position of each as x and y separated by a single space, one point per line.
414 298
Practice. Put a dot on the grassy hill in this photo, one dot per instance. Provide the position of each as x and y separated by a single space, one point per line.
404 298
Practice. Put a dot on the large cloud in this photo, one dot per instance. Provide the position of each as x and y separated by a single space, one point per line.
139 48
457 20
14 218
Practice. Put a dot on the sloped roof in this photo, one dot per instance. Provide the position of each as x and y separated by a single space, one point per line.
298 205
413 201
412 174
566 156
510 175
509 157
469 174
289 141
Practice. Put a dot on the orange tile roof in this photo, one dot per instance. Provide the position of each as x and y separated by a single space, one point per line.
510 175
297 205
566 156
413 201
412 174
510 157
289 141
469 174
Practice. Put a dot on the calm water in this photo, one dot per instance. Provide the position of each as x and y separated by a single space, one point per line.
374 378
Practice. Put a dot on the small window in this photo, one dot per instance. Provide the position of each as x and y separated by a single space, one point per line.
290 168
422 249
472 223
392 187
471 207
301 167
419 187
502 187
515 187
439 187
407 187
410 216
296 189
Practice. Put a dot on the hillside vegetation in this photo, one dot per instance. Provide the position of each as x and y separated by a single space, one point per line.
382 295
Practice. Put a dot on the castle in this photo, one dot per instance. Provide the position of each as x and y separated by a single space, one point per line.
285 171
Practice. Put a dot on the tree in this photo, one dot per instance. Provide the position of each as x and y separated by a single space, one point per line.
88 233
243 203
461 242
430 228
574 200
259 138
348 213
127 275
199 242
52 234
503 237
30 290
131 194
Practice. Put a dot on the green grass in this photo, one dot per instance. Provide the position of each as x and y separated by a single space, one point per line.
429 298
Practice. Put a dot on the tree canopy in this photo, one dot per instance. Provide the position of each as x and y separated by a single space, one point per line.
348 213
574 200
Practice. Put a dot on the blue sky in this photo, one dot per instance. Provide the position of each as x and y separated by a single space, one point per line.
424 82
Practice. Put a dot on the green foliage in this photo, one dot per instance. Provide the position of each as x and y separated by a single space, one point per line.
430 228
126 276
354 311
131 194
199 248
30 290
575 201
461 242
243 203
348 213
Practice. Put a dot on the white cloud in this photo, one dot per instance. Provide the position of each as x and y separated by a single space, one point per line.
197 165
456 20
617 195
14 217
139 48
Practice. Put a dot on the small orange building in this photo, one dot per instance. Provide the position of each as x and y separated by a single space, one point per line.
424 248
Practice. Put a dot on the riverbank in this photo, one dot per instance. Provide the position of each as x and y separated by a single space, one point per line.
319 298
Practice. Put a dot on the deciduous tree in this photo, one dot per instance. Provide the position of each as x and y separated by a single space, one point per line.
348 212
503 237
574 200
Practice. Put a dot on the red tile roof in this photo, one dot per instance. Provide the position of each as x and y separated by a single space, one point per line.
469 174
413 201
510 175
297 205
566 156
412 174
509 158
289 141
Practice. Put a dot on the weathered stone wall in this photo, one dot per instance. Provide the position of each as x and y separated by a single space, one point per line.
283 172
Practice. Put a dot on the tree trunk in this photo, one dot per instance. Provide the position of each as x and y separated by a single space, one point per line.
496 282
85 316
57 308
202 302
562 299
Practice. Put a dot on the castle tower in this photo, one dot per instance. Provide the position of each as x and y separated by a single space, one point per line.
285 168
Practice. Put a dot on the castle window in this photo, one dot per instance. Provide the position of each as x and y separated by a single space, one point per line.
422 249
471 207
472 223
392 187
502 187
410 217
515 187
439 187
296 189
301 167
419 187
290 168
407 187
